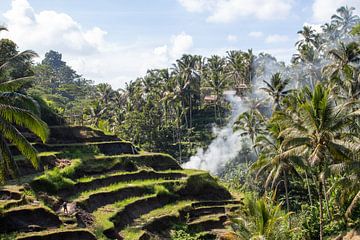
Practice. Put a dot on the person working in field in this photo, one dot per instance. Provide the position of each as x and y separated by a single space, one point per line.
64 205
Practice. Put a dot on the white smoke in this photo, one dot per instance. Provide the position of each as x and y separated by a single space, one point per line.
226 144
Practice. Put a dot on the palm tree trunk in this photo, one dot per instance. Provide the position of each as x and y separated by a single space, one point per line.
287 196
320 187
190 113
308 187
215 112
326 200
185 114
352 206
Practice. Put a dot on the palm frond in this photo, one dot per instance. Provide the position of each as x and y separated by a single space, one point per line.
15 137
15 85
25 119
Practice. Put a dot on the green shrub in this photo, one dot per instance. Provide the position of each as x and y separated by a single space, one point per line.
51 181
161 190
182 232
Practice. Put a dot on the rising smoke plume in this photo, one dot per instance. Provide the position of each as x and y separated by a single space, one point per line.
226 144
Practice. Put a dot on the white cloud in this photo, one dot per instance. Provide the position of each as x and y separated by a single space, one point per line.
255 34
229 10
87 50
180 44
232 38
324 9
195 5
276 38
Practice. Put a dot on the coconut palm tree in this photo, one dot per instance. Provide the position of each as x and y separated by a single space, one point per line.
309 36
188 78
215 78
274 163
343 56
239 67
250 124
318 135
17 110
276 88
344 19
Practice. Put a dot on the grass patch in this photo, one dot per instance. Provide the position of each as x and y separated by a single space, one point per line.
104 214
132 233
169 209
151 183
52 181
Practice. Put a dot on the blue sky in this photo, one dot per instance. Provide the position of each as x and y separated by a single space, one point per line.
117 40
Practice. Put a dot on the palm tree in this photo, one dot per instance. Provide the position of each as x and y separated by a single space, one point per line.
259 220
239 67
250 124
344 19
188 78
17 110
309 36
330 30
214 74
276 89
317 135
344 55
273 162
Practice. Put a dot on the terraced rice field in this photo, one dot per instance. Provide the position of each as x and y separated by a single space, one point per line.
115 192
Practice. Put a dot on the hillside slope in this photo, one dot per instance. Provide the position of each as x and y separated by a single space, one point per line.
112 190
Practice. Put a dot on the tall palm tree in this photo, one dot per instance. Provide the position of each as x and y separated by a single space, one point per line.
276 88
344 19
240 67
188 77
318 135
17 110
309 36
215 78
250 124
343 56
274 163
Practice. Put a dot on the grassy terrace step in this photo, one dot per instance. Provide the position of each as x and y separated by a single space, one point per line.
208 222
88 184
108 148
91 183
134 210
203 211
214 203
20 218
57 179
104 214
160 221
156 220
61 234
66 134
92 200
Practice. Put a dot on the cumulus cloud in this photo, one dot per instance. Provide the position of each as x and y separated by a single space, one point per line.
255 34
324 9
276 38
163 55
87 50
229 10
